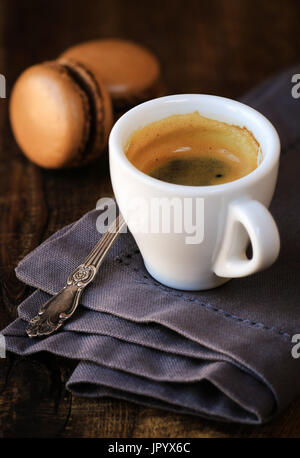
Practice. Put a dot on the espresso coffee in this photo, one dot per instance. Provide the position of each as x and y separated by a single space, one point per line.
189 149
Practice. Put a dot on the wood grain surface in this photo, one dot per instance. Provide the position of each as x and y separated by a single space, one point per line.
222 47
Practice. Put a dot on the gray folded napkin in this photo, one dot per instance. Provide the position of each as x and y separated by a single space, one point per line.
223 354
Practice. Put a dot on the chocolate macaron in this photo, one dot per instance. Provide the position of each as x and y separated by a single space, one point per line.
130 72
61 114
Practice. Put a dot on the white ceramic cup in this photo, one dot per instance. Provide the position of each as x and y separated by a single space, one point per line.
232 213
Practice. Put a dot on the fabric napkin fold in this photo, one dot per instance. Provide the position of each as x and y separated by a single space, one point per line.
224 354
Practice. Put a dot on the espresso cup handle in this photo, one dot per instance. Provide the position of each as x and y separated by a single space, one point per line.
247 219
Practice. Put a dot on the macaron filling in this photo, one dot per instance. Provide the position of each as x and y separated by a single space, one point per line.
88 149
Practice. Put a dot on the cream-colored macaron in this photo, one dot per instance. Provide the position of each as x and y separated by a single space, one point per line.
61 114
130 71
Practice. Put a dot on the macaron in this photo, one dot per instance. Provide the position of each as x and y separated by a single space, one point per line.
130 72
61 114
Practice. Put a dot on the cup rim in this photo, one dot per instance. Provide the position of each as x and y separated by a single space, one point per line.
270 158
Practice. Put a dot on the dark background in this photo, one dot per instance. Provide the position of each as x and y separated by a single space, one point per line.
221 47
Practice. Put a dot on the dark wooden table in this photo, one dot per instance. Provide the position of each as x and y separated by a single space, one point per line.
222 47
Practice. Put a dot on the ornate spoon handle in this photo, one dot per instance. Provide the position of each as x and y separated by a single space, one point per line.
60 307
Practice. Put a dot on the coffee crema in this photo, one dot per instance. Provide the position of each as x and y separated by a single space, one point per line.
189 149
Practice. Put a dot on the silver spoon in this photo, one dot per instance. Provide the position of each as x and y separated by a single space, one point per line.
60 307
